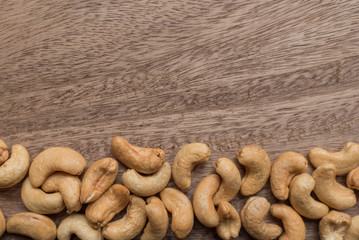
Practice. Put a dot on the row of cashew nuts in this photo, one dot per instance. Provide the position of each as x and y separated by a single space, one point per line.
53 185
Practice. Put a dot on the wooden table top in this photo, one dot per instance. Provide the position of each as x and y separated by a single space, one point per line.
279 74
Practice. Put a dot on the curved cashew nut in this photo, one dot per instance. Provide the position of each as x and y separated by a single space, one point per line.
33 225
68 185
177 203
345 160
77 224
98 178
301 200
231 180
230 222
2 222
353 231
38 201
147 185
203 205
252 214
334 225
189 156
257 164
353 179
4 152
293 224
113 201
143 160
55 159
329 191
157 225
284 168
130 225
15 168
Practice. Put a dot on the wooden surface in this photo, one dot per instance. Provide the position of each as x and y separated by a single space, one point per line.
279 74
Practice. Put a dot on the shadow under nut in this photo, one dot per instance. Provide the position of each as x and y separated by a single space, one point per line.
230 222
334 225
38 201
252 215
179 205
98 178
143 160
15 168
258 167
147 185
284 168
55 159
33 225
130 225
189 156
329 191
203 205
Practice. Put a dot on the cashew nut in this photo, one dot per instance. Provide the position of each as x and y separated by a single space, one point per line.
97 179
202 200
143 160
284 168
252 214
68 185
353 231
113 201
353 179
38 201
33 225
258 165
77 224
189 156
177 203
293 224
2 222
157 225
334 225
147 185
230 180
230 222
15 168
4 152
130 225
345 160
329 191
55 159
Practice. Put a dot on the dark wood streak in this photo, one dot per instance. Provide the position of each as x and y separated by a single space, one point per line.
279 74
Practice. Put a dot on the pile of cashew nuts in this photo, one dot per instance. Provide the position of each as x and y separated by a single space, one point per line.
53 184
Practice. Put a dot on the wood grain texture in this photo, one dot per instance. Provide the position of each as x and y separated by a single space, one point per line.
279 74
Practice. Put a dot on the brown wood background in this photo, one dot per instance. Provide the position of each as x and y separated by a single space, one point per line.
279 74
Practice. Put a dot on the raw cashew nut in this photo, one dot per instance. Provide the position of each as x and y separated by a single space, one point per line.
130 225
68 185
157 225
230 222
353 179
55 159
189 156
2 222
15 168
147 185
293 224
33 225
329 191
203 205
252 214
257 164
77 224
110 203
284 168
38 201
301 200
334 225
345 160
177 203
353 232
98 178
143 160
230 180
4 152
